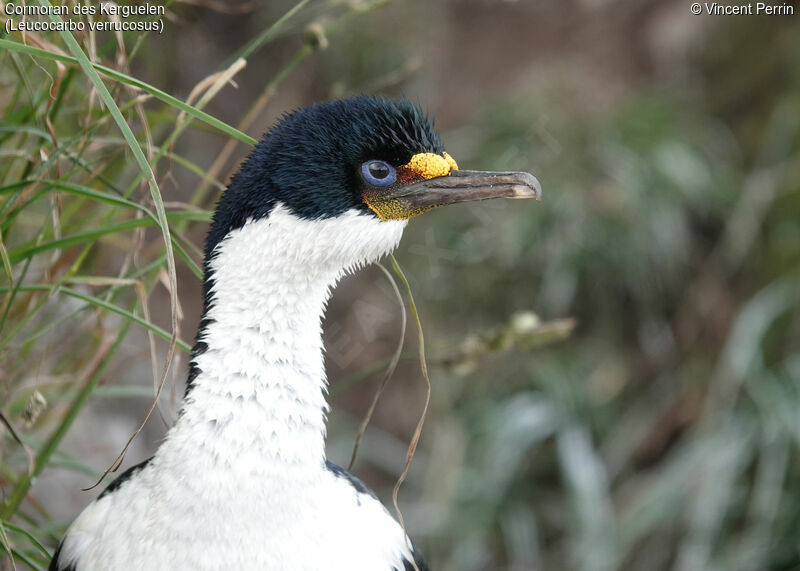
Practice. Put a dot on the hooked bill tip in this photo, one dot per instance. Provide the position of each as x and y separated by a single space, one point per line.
530 187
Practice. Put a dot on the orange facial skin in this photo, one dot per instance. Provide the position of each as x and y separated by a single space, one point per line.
422 166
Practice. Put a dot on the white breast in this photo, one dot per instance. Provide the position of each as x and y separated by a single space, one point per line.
317 521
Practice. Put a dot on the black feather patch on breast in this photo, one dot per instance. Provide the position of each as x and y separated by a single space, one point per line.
124 477
57 565
421 565
360 486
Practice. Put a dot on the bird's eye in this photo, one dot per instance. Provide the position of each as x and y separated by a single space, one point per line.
378 173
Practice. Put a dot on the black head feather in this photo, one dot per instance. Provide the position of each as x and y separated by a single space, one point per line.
310 161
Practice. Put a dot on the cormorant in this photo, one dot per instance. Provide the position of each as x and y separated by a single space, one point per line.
241 480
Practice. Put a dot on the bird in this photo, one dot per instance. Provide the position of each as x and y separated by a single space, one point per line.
241 480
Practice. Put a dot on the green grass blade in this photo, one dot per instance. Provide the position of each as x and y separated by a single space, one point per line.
30 537
4 543
128 80
251 47
6 260
43 457
28 250
96 301
138 154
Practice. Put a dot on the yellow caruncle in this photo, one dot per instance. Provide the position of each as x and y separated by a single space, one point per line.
424 165
430 165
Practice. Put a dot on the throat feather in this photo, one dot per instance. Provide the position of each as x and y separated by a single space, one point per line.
258 381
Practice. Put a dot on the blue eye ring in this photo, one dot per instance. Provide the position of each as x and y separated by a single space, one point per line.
378 173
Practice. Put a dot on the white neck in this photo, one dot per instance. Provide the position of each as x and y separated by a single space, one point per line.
261 383
240 481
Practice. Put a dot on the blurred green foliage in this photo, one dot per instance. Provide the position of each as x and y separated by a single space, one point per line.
664 434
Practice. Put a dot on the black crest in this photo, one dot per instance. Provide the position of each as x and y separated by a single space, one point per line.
310 160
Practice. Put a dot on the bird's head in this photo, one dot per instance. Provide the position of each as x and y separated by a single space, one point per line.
351 172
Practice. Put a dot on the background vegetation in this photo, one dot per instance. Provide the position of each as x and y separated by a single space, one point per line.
663 434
